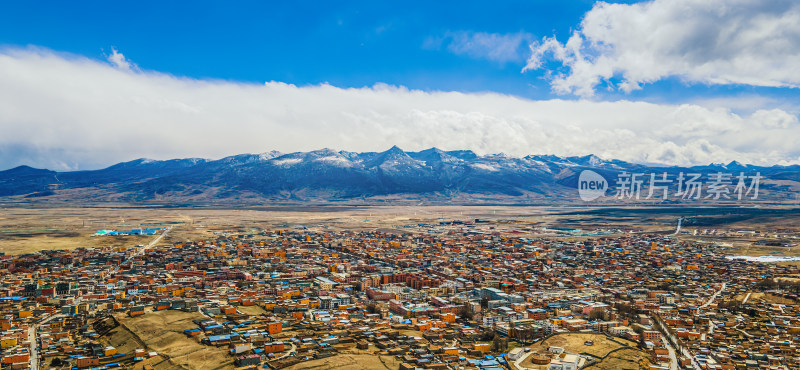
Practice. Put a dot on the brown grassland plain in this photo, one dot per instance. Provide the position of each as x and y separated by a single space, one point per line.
24 230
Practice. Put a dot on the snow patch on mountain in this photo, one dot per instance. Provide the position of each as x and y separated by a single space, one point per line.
287 161
485 167
335 160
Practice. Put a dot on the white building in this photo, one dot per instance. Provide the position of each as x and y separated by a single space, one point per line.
516 353
568 362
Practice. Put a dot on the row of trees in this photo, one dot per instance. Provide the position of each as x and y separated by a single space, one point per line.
791 286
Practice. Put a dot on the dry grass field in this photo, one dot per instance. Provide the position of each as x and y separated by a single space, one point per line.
747 249
126 341
123 340
575 343
158 363
625 359
29 230
162 332
24 230
251 310
758 299
349 362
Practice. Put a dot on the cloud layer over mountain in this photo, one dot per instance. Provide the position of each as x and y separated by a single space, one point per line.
62 111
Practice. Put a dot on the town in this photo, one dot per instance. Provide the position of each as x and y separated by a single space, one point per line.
453 294
373 185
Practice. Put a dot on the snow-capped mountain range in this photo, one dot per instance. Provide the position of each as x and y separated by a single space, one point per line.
329 175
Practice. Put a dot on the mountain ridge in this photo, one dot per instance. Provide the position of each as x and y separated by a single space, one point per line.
330 175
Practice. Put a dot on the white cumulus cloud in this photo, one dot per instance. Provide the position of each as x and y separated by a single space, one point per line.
62 111
750 42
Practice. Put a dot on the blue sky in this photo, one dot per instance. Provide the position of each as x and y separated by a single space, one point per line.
347 44
518 49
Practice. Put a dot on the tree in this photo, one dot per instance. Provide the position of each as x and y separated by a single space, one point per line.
732 305
485 300
767 284
642 341
597 314
466 311
524 334
499 344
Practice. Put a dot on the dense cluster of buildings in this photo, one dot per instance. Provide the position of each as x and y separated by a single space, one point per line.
438 296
